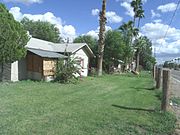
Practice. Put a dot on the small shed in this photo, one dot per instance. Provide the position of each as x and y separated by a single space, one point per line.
41 64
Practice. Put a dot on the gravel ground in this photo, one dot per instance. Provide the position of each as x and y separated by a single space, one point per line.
175 87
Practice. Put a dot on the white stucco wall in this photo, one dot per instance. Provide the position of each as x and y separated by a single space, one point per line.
85 61
14 71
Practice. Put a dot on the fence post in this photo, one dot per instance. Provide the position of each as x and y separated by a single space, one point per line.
158 78
166 89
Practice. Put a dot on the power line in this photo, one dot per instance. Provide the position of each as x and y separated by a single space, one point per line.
172 18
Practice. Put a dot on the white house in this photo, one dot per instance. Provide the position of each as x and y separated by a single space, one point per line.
39 63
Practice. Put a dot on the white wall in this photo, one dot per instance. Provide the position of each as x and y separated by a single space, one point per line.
81 54
14 71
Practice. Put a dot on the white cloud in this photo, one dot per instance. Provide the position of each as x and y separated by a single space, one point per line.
129 9
112 17
67 31
94 33
95 12
167 7
157 21
155 14
156 32
25 1
16 13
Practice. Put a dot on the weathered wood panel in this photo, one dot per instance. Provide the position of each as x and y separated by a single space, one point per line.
49 67
34 63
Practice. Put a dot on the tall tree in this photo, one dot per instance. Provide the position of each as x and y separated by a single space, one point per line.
146 60
102 30
42 30
13 39
114 50
138 13
138 10
128 32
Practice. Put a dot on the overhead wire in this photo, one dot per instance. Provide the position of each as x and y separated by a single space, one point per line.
171 20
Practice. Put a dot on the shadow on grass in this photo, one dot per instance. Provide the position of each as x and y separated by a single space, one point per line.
141 88
131 108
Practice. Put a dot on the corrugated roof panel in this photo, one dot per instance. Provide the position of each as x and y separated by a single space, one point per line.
46 54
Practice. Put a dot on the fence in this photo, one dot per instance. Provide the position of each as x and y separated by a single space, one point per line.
162 78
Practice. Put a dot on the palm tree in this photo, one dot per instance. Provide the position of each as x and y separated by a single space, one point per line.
138 10
129 32
139 45
138 13
101 41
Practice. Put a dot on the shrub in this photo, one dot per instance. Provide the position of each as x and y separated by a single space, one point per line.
67 70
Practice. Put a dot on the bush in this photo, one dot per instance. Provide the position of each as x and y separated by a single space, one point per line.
67 70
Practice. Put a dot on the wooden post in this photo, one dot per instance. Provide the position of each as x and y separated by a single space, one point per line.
166 89
158 79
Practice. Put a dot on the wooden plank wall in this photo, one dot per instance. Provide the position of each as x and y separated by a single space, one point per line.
34 63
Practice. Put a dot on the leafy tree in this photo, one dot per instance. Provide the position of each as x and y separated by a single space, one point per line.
13 38
92 43
166 64
101 44
146 60
114 50
89 40
128 32
42 30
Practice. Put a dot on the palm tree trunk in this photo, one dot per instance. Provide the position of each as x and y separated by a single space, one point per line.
102 30
139 22
137 61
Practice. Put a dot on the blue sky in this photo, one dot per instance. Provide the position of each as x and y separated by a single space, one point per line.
77 17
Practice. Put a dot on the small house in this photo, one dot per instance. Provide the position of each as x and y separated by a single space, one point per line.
41 58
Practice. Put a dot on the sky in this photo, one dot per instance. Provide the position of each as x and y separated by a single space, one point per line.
80 17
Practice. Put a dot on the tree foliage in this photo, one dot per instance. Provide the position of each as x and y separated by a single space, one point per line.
42 30
66 70
114 50
147 61
128 32
13 38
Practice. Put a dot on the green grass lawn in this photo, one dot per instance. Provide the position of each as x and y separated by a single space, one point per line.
109 105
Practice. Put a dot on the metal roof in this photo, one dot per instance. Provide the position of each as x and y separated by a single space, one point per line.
57 47
46 54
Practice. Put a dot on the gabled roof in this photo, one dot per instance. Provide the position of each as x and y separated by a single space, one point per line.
46 54
35 43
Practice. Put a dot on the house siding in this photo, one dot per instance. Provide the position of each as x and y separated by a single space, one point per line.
84 63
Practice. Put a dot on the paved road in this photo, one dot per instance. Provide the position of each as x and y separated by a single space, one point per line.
175 74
